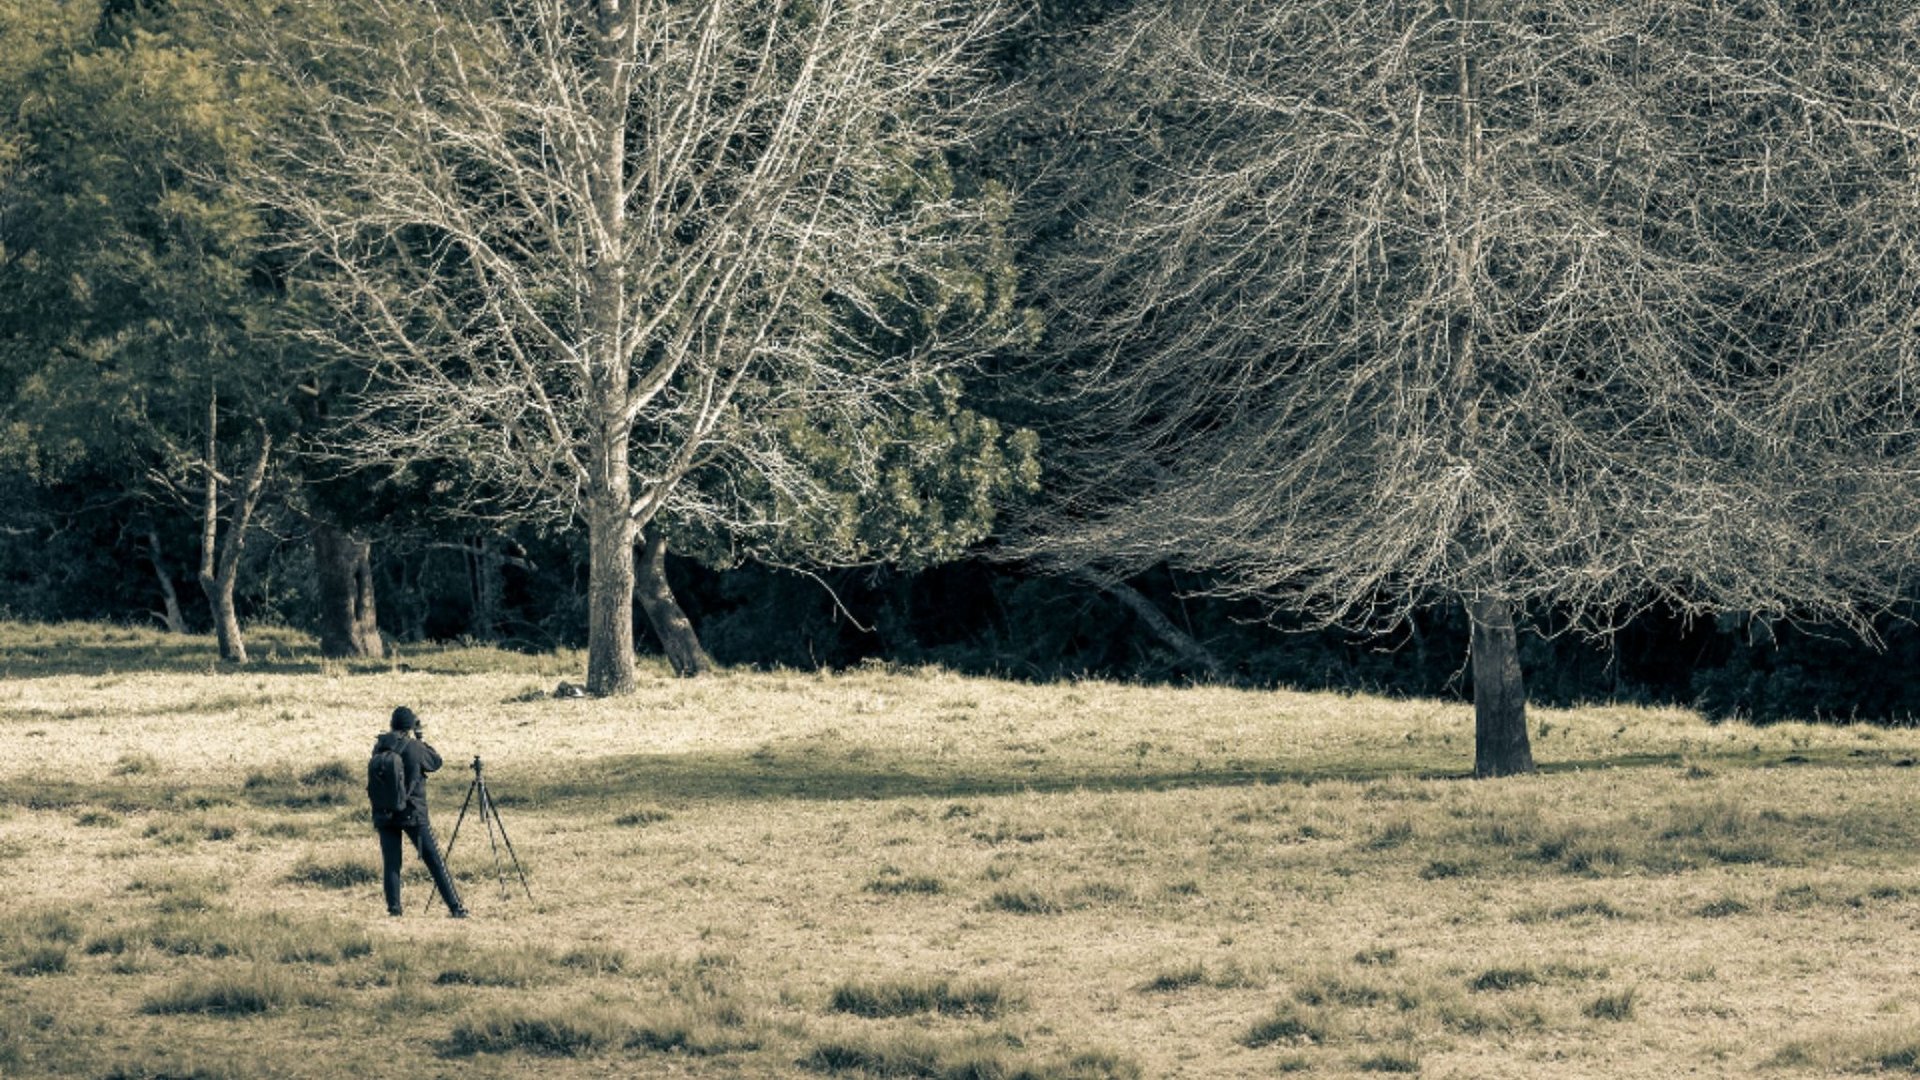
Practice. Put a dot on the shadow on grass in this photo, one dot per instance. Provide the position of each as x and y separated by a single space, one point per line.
814 773
40 651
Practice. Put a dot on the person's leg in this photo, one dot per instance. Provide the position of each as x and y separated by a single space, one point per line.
390 867
429 848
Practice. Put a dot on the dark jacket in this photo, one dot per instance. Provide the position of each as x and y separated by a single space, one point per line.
420 759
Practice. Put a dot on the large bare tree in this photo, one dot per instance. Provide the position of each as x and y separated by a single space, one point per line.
1502 303
595 247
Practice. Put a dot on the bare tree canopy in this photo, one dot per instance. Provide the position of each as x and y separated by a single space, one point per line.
595 247
1509 301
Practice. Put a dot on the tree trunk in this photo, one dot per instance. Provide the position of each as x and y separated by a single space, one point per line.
1181 642
220 557
1500 746
486 562
343 566
670 623
610 603
175 618
610 521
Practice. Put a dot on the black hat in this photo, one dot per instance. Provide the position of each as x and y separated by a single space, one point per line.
404 720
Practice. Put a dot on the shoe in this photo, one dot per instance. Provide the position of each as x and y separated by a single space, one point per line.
393 912
457 913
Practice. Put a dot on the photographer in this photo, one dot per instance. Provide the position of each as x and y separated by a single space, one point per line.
417 759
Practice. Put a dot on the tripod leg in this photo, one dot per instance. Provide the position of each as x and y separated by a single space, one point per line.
512 855
489 816
447 852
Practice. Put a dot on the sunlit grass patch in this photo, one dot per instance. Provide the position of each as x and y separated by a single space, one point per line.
1890 1048
909 996
1398 1059
521 966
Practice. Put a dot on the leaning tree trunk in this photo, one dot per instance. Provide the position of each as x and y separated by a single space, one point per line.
343 569
1182 643
175 618
220 556
670 624
1500 746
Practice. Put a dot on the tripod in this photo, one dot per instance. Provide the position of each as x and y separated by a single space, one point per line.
489 817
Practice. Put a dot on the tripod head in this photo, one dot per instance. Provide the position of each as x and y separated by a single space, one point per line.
476 766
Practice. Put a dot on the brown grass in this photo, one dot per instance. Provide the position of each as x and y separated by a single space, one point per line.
772 874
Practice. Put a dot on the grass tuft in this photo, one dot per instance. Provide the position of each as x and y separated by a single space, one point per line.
976 1057
1721 908
1291 1025
261 990
892 881
909 997
1504 978
518 967
645 815
1175 979
1612 1006
347 874
1397 1060
538 1029
1024 902
40 960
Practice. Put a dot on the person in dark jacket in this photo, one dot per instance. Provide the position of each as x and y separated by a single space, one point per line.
410 821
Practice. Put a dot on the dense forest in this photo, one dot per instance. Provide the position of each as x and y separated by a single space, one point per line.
1321 343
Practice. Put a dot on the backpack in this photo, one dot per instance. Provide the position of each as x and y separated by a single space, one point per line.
387 779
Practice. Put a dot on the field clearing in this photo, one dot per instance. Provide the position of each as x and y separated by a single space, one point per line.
914 873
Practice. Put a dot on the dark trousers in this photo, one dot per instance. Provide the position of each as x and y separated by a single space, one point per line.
429 849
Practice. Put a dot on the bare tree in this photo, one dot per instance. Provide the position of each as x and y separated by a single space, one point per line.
1492 302
596 247
220 554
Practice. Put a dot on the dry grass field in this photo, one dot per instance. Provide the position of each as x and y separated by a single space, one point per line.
915 874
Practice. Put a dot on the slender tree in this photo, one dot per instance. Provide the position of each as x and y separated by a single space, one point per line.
1490 302
597 246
